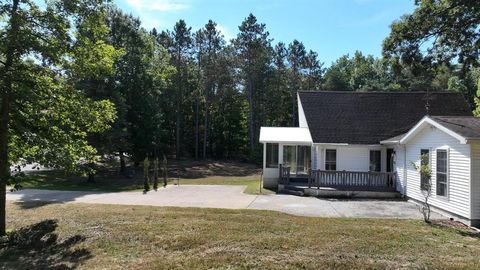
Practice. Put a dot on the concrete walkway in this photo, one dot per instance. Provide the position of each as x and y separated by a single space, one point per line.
232 197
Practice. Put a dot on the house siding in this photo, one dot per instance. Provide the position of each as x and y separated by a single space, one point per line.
302 120
350 157
399 165
475 191
458 199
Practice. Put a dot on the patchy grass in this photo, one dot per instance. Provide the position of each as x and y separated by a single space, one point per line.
143 237
252 183
60 180
183 172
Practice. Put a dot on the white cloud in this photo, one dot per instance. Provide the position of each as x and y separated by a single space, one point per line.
225 32
158 5
148 10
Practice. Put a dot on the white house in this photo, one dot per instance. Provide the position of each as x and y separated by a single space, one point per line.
370 142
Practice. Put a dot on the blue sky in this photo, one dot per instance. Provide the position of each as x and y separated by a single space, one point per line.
329 27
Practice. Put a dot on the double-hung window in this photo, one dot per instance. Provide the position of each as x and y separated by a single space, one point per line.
330 159
442 172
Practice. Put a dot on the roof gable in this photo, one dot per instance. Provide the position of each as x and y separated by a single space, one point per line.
370 117
429 122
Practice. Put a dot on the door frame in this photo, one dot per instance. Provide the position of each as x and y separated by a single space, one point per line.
389 160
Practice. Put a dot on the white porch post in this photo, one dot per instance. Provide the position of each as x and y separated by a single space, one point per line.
280 153
383 159
264 156
313 157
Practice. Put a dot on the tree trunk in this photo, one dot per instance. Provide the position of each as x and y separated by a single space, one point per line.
122 161
294 96
197 105
294 112
4 163
91 174
178 109
10 58
251 117
205 128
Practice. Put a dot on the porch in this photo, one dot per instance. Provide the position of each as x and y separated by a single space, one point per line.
338 183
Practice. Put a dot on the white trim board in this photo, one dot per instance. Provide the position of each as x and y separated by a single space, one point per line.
429 121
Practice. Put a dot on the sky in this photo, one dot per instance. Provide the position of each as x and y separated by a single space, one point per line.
332 28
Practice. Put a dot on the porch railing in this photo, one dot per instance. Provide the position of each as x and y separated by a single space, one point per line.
346 180
284 177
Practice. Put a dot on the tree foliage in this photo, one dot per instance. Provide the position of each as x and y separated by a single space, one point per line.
45 116
446 30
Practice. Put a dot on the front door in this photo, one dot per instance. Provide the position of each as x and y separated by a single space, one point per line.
389 159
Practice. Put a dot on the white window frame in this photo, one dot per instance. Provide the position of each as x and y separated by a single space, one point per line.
266 156
296 155
447 150
325 159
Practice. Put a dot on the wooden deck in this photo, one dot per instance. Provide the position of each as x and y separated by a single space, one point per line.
341 180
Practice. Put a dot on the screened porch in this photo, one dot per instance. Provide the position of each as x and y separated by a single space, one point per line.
287 146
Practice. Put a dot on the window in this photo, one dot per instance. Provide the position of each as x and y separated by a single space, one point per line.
303 159
290 158
272 155
424 161
442 172
330 159
297 158
375 161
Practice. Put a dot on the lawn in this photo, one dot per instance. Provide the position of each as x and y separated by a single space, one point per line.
141 237
183 173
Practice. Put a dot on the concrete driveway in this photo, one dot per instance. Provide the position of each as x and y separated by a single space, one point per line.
232 197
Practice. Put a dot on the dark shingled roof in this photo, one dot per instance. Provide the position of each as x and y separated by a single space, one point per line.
370 117
466 126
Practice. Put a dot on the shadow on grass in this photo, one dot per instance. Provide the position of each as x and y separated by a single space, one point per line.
59 180
37 247
190 169
33 204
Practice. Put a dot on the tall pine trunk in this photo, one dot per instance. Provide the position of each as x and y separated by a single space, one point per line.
251 117
294 96
197 135
294 111
178 110
197 109
205 130
10 58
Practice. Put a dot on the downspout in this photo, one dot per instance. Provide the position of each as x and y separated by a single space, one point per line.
404 170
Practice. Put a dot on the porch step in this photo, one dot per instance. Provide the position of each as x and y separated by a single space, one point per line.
330 192
292 190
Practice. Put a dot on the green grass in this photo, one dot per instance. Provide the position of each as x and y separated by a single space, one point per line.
111 182
59 180
252 183
141 237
